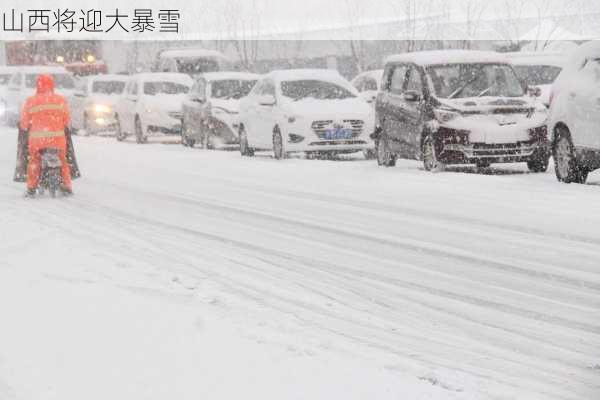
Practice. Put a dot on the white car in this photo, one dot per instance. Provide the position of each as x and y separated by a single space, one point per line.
368 84
574 120
210 113
93 105
309 110
152 105
22 85
5 74
538 70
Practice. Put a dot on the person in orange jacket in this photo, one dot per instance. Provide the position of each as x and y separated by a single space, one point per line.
45 119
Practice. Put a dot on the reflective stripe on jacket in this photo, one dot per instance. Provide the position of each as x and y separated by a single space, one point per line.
46 134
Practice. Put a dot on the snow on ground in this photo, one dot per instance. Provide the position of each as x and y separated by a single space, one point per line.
184 273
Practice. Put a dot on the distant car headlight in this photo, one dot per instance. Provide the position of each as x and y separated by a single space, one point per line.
102 109
445 114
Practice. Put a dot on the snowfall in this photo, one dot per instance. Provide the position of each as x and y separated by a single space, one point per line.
178 273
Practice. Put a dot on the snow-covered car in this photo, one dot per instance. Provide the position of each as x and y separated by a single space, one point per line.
22 85
5 75
538 70
574 121
93 105
367 84
152 105
304 110
458 107
210 112
191 61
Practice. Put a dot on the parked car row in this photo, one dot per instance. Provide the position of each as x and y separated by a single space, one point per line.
440 107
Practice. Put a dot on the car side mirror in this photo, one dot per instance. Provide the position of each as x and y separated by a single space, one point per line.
411 95
266 100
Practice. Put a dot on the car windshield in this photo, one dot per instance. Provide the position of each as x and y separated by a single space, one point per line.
537 74
231 88
317 89
61 81
108 87
474 80
164 87
4 78
194 66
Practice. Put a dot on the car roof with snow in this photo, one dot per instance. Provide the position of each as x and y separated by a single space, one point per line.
43 69
442 57
108 78
9 69
191 53
536 58
176 77
327 75
229 75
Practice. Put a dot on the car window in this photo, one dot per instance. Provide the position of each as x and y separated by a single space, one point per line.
316 89
231 88
164 88
537 74
474 80
414 81
370 84
397 79
108 87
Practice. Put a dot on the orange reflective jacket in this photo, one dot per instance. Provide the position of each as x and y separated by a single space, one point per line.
45 116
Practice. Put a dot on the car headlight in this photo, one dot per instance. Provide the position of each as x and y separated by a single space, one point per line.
445 114
149 110
102 109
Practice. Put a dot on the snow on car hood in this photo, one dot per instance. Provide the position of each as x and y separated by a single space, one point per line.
316 107
165 102
496 120
231 105
106 99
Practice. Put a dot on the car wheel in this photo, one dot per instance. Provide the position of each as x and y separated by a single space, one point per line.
566 166
385 157
430 157
119 134
139 131
245 149
278 150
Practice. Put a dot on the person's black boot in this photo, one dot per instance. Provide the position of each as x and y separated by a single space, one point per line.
30 193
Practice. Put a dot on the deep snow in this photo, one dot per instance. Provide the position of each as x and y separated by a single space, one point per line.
182 273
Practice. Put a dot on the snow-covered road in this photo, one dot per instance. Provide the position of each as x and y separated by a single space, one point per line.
183 273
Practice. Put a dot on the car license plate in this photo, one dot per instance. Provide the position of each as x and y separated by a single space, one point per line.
338 133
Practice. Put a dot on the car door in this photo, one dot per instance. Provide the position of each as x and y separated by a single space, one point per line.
587 106
391 107
12 96
411 122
